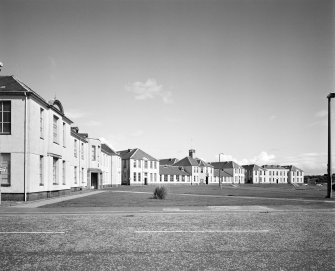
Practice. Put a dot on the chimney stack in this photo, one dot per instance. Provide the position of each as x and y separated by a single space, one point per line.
191 152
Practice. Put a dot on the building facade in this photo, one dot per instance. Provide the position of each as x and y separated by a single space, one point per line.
255 174
42 154
276 174
233 169
138 167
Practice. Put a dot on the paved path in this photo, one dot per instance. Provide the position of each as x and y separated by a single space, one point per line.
38 203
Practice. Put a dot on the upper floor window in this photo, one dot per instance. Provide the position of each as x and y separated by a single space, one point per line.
145 164
134 163
55 170
5 117
82 151
55 129
94 153
75 150
41 123
64 134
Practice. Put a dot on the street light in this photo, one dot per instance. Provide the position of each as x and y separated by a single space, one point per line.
329 186
220 184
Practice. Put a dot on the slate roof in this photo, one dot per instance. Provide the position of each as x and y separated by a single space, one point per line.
273 167
186 162
168 161
202 163
225 165
107 149
12 86
136 154
253 167
223 173
172 170
293 168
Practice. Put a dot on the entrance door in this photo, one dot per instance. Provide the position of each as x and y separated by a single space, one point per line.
206 179
145 180
94 180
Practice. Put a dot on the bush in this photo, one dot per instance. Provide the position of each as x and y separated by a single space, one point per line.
160 192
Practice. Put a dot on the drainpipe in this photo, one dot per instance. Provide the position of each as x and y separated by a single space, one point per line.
25 148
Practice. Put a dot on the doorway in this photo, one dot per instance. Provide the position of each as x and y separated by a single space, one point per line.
94 180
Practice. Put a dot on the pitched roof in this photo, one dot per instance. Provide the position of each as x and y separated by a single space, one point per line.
12 86
273 167
136 154
293 168
172 170
221 173
168 161
202 163
253 167
187 161
225 165
107 149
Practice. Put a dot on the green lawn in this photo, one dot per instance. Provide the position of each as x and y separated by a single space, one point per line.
203 195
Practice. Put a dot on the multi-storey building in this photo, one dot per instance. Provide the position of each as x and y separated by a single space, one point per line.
42 155
276 173
232 168
295 175
190 165
138 167
113 159
255 174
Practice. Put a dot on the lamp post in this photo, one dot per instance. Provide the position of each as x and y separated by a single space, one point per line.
220 184
329 186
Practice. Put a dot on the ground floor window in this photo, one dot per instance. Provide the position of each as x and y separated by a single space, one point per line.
64 172
5 163
75 175
55 170
166 178
171 178
41 170
134 176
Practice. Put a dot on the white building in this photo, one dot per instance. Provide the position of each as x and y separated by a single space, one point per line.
233 169
138 167
276 173
42 155
295 175
255 174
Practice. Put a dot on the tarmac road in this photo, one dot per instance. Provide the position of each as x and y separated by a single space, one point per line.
235 238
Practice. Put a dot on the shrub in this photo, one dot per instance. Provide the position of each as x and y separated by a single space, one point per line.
160 192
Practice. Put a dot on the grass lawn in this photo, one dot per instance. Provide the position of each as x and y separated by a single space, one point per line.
203 195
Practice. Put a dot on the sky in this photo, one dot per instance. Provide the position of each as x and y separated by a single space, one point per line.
247 79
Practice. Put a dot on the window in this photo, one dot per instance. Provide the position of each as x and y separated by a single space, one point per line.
64 173
75 175
177 178
135 176
151 164
75 150
171 178
5 117
41 170
55 170
155 165
139 177
5 162
94 153
55 129
145 164
202 170
183 178
41 123
150 177
98 154
82 175
166 178
155 176
64 134
135 163
82 151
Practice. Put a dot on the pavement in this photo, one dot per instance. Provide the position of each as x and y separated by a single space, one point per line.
42 202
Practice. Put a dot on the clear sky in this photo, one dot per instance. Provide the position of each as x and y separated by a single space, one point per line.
245 78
